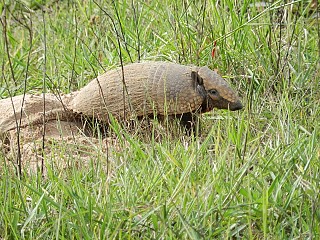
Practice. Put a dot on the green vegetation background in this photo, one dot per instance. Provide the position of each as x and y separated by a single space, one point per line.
253 174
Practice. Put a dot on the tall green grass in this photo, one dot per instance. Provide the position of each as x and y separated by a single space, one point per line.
253 174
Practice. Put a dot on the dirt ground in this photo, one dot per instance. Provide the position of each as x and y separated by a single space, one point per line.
59 137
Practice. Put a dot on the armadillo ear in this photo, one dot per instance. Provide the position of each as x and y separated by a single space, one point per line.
196 78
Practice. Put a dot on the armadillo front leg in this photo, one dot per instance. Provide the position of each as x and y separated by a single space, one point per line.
191 123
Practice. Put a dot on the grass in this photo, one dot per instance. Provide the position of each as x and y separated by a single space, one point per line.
253 174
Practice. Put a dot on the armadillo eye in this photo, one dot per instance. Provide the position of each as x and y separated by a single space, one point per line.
213 91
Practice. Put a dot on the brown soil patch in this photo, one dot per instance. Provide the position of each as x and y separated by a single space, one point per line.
66 140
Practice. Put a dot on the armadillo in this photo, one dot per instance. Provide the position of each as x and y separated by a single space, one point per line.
154 88
150 88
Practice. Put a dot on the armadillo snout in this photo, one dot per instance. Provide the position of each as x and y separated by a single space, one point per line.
236 106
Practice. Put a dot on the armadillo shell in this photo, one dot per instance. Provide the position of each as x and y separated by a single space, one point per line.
150 88
29 109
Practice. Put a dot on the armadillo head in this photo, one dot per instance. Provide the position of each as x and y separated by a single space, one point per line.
216 91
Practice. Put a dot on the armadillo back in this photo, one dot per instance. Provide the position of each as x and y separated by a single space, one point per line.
150 87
